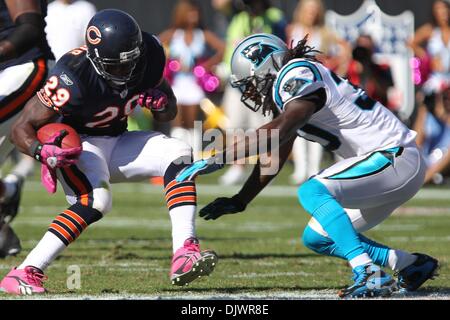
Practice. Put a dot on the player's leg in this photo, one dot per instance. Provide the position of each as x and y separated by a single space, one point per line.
413 269
140 155
391 187
368 182
316 239
87 190
322 244
17 85
323 206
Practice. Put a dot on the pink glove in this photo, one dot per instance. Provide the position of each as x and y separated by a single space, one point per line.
153 99
48 178
53 156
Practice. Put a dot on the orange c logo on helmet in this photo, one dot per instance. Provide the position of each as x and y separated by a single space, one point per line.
98 36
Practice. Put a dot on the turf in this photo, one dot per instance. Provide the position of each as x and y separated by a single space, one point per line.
127 253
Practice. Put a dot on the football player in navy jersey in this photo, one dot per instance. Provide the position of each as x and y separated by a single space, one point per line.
24 53
94 89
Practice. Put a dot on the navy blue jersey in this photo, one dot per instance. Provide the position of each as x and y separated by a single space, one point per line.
85 100
7 26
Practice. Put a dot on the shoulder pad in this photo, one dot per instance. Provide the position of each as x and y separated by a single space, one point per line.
62 89
296 79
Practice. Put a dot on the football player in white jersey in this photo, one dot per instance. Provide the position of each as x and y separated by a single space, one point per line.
381 170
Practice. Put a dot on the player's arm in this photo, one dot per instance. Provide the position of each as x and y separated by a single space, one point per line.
296 113
29 30
33 116
298 92
161 101
255 183
170 110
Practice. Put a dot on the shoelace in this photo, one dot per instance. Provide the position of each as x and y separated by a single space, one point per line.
36 278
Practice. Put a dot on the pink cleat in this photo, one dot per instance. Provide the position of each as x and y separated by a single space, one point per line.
26 281
189 263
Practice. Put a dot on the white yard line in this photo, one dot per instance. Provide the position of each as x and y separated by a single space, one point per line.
216 190
422 211
267 295
115 222
253 275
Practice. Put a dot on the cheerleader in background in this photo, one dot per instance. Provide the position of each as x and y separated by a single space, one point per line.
188 69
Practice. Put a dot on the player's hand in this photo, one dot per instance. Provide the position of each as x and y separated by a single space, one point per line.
48 178
50 153
222 206
153 99
203 166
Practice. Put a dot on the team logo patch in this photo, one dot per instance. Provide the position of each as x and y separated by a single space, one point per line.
293 85
65 78
93 35
257 53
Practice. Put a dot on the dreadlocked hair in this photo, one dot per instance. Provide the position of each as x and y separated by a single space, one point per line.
301 50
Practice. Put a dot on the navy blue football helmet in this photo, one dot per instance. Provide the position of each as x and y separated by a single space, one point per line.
115 46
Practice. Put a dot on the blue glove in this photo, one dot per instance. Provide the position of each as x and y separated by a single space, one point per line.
203 166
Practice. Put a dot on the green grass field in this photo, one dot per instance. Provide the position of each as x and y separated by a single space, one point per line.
127 254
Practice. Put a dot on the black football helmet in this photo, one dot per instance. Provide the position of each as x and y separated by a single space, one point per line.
115 46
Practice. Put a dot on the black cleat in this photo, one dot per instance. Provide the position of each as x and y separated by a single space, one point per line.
414 275
9 242
9 208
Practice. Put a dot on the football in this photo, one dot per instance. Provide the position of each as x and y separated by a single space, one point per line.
71 140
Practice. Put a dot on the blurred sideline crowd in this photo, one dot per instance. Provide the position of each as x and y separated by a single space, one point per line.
198 67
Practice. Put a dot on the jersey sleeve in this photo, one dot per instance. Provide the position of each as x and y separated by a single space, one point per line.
295 80
62 91
156 60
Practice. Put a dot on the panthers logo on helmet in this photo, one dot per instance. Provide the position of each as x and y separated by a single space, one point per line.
257 53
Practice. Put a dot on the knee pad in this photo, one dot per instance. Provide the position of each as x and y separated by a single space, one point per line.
102 200
312 194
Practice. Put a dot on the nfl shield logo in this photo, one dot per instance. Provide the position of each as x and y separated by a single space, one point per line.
390 34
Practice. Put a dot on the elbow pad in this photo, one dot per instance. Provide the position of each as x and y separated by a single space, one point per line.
29 32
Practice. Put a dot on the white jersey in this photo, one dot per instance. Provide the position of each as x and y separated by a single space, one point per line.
66 25
350 123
